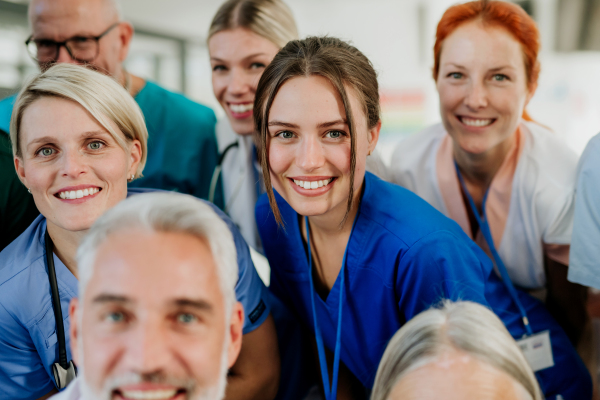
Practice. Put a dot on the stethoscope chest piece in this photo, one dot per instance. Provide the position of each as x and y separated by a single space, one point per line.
63 376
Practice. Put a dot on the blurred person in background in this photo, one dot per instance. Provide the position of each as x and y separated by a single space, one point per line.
357 257
182 147
156 316
78 138
584 261
507 181
243 38
457 351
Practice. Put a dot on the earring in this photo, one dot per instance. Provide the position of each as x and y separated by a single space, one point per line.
369 153
131 178
29 190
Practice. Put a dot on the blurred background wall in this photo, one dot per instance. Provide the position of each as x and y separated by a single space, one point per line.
397 35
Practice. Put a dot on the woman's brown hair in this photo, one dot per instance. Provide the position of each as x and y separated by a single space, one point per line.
333 59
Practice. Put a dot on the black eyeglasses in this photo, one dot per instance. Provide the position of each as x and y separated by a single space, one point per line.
80 48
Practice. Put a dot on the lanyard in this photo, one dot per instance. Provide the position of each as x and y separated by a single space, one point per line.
487 234
330 392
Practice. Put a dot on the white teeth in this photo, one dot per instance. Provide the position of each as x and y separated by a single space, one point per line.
312 184
476 122
149 394
241 108
77 194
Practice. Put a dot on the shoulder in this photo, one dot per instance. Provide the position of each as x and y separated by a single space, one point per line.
411 150
6 107
22 271
414 157
403 214
158 102
546 160
590 158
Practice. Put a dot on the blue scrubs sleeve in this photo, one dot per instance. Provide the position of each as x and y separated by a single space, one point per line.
437 267
584 267
250 289
22 373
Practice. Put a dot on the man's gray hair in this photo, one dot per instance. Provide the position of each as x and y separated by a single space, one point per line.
465 326
165 212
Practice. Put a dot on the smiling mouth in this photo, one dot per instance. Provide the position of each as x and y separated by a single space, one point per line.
77 194
241 108
313 184
476 122
161 394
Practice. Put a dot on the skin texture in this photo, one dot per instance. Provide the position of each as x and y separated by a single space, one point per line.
482 75
167 326
79 153
238 58
62 19
309 139
458 376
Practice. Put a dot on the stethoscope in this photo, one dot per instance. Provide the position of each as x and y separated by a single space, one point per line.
64 370
217 171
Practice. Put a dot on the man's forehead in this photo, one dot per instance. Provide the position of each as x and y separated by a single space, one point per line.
70 17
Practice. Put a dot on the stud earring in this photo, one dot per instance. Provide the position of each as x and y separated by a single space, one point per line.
369 153
29 190
131 178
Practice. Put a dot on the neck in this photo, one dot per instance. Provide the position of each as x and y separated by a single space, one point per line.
65 245
330 223
133 84
480 169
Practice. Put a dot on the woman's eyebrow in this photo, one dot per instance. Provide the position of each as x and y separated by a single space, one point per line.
43 139
332 123
281 123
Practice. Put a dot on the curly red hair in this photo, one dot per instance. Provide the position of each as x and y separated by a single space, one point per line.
497 13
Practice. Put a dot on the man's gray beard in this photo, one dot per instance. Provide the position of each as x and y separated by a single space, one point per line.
215 392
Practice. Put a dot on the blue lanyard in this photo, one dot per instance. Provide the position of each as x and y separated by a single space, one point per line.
330 392
487 234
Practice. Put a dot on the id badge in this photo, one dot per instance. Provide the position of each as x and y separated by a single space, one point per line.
537 350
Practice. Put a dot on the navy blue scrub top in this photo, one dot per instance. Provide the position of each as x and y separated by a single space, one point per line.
403 257
28 341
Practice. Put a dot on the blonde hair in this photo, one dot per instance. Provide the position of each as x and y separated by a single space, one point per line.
271 19
464 326
100 95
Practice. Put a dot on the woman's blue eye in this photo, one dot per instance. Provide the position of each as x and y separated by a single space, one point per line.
286 134
334 134
95 145
186 318
257 65
219 68
455 75
500 77
46 151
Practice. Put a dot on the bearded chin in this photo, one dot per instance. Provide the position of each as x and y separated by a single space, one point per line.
214 392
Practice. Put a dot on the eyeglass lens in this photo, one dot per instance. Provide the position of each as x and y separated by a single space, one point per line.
80 49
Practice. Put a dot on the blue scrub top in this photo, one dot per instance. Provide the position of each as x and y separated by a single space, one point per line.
28 341
182 144
403 257
584 257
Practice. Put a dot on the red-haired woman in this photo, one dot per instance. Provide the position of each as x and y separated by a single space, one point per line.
507 181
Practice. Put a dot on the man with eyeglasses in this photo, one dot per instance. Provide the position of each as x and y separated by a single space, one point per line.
182 146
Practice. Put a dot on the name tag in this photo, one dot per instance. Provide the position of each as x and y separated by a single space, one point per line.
537 350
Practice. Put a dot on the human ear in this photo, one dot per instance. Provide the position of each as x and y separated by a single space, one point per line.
373 136
74 329
125 36
135 153
19 167
236 326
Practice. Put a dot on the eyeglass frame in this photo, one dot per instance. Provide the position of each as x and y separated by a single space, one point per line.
64 44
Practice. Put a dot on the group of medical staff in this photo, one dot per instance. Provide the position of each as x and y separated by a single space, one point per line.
480 207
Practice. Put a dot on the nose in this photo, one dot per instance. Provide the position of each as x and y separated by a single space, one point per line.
477 97
311 154
148 348
239 83
64 56
74 164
